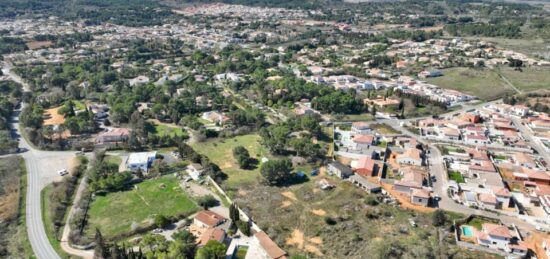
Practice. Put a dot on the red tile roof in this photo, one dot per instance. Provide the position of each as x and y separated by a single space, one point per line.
210 218
496 230
272 249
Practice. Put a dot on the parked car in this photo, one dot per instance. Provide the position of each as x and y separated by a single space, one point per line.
63 172
157 230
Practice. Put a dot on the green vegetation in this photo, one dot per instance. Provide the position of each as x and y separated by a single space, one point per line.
220 152
379 230
47 217
164 130
13 185
456 176
483 83
528 78
118 212
384 128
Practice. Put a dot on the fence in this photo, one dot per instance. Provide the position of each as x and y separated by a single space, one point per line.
242 214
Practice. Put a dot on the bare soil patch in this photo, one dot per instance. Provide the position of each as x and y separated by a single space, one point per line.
289 195
38 44
319 212
51 117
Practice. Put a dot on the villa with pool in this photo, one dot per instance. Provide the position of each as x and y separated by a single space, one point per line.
493 236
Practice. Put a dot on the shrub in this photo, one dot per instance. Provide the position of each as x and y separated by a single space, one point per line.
161 221
207 201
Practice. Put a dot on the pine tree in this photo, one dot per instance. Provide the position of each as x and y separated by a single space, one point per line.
100 250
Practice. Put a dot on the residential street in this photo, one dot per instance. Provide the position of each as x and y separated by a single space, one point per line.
42 167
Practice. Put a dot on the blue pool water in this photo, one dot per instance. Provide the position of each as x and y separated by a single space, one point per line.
467 231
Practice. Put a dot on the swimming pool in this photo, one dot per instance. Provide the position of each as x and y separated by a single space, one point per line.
467 231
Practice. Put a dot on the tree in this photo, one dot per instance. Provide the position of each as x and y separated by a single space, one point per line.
276 172
243 157
161 221
439 218
207 201
244 227
234 212
184 245
212 250
101 251
373 110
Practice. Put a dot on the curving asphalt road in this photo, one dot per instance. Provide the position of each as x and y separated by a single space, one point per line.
42 167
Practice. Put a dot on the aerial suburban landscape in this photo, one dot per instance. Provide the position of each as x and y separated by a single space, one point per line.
271 129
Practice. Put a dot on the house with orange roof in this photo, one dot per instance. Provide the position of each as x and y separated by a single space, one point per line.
524 160
499 237
366 166
208 219
270 249
420 197
411 156
364 141
494 236
212 234
412 179
488 200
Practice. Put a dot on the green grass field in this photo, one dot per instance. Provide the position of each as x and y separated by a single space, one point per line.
220 151
163 130
529 79
116 212
483 83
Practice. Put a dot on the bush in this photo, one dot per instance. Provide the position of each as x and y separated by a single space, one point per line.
371 200
161 221
207 201
244 227
439 218
330 221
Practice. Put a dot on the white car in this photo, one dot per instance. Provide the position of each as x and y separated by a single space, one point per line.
63 172
157 230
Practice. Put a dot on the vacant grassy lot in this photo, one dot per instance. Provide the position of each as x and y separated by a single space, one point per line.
13 235
164 130
529 79
220 151
483 83
344 223
116 212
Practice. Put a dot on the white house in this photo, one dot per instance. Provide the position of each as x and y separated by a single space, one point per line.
494 236
140 161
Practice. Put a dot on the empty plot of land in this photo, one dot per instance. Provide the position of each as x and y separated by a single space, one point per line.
220 151
51 117
529 78
115 213
485 83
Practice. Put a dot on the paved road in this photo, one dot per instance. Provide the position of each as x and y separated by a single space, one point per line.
534 142
440 186
42 167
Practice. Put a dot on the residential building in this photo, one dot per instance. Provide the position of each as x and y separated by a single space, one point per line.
420 197
208 219
140 161
366 166
411 156
339 170
364 184
114 135
271 249
212 234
